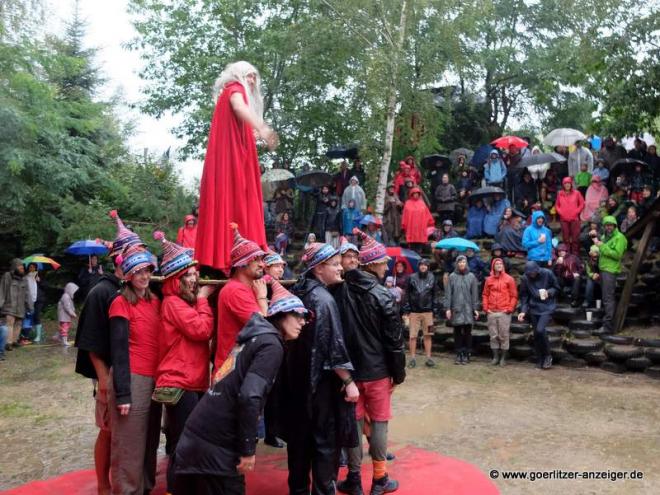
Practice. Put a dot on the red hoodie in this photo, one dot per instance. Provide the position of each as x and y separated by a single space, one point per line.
569 204
187 236
500 292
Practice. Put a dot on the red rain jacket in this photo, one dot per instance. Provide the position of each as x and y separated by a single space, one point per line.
416 218
187 236
500 292
570 204
184 344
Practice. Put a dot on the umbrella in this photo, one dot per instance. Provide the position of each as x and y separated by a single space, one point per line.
461 151
481 155
457 243
276 175
342 152
563 137
431 161
627 165
86 248
41 260
540 159
314 178
408 257
506 141
367 219
484 192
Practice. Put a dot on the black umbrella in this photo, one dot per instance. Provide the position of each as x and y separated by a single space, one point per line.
627 165
314 178
540 159
343 152
485 192
436 161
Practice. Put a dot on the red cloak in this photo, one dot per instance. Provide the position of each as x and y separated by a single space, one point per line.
416 217
231 186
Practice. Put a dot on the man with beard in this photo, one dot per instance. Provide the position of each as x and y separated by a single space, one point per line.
244 294
372 329
14 302
317 392
421 294
183 375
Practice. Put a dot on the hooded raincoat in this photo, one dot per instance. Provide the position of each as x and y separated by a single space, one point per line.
530 298
596 193
416 218
356 193
494 216
66 310
462 296
14 295
187 236
500 293
537 250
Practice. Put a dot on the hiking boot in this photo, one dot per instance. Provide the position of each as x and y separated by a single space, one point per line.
430 363
496 357
412 363
389 456
547 362
383 485
459 358
352 484
503 358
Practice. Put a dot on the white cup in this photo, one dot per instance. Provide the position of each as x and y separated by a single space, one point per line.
543 294
589 315
598 303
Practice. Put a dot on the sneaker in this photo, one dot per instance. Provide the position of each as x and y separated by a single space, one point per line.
389 456
547 363
273 441
412 363
430 363
383 485
65 342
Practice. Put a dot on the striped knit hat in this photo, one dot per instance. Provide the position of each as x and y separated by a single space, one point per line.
134 259
272 258
316 253
175 258
243 251
282 301
371 251
125 237
346 246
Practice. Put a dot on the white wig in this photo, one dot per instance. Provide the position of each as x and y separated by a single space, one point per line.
238 72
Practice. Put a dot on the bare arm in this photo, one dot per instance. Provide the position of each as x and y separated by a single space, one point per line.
247 115
101 372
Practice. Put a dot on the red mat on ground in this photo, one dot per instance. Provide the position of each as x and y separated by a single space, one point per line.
418 472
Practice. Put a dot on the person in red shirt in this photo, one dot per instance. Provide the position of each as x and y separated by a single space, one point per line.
187 234
569 205
134 418
183 372
499 300
244 294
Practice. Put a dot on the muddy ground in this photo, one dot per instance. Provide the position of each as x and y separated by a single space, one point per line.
516 418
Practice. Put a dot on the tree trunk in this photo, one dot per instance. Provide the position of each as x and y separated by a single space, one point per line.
391 114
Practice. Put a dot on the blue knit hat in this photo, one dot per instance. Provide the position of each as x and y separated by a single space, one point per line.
175 258
273 258
134 259
346 246
317 253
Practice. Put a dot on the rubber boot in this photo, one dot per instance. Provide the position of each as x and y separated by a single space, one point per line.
383 485
496 357
503 358
39 333
352 484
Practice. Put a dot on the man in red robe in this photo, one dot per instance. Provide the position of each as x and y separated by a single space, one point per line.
416 218
244 294
231 182
188 233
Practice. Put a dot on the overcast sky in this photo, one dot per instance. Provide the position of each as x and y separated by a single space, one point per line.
108 28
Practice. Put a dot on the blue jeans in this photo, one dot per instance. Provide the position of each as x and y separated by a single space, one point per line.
541 342
4 332
592 285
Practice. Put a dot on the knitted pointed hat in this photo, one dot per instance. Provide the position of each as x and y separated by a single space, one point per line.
243 251
316 253
282 301
371 250
133 259
176 258
125 237
345 246
273 258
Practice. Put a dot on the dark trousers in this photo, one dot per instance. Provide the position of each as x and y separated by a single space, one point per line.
570 234
541 342
204 484
176 420
313 446
592 287
574 285
463 338
608 287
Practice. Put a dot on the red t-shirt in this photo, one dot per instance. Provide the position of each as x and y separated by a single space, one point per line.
143 329
236 305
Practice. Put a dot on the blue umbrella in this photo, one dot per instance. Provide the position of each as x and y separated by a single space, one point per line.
481 155
367 219
86 248
457 243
